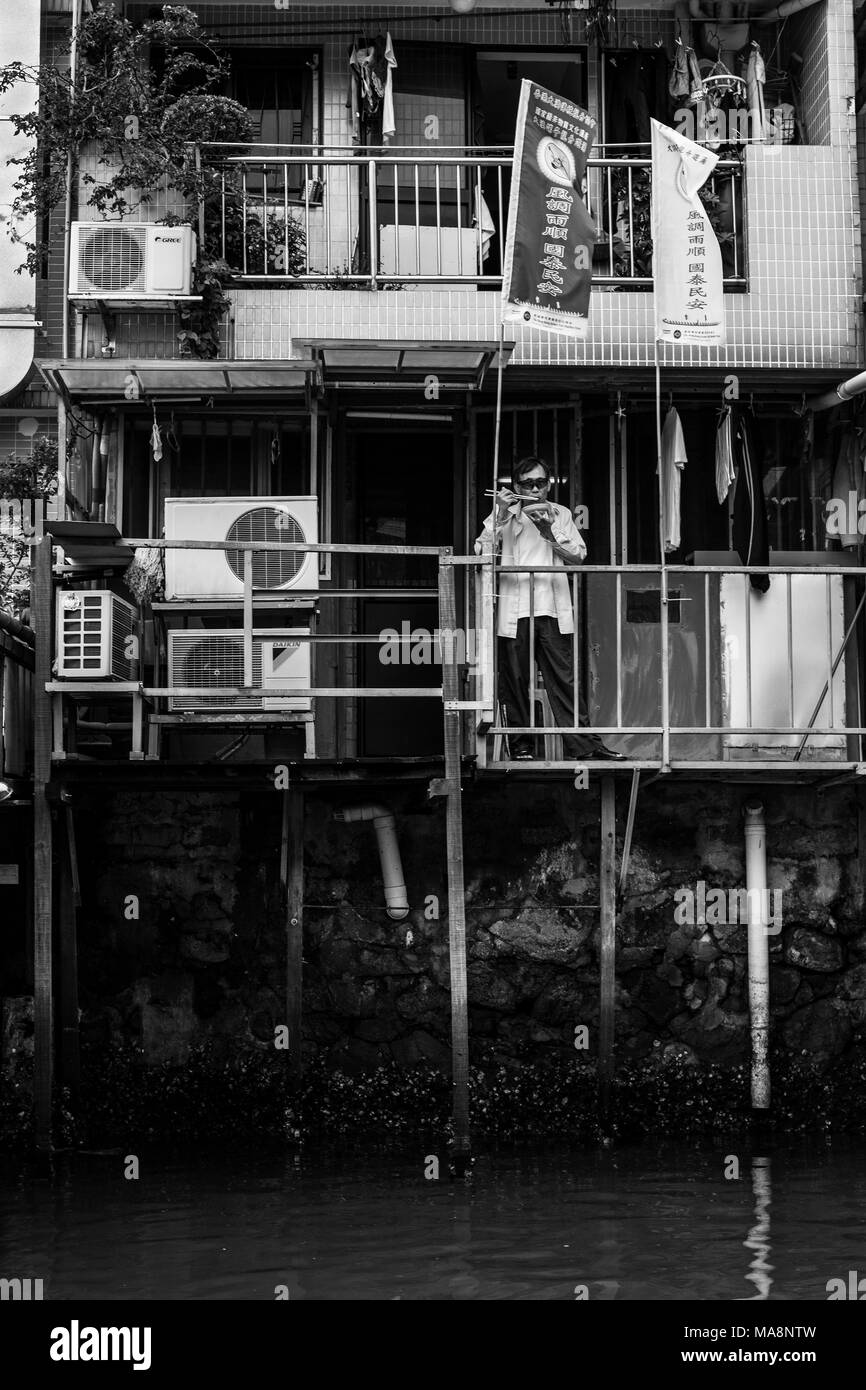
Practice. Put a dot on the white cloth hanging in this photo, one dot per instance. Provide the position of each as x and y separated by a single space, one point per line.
756 76
724 456
673 460
483 219
389 125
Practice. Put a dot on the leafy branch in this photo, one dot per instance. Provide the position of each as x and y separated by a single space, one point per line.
142 96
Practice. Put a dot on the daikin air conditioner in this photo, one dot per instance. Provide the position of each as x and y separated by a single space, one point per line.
216 659
220 573
93 631
130 260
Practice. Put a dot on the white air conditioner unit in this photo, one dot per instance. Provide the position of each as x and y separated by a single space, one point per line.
203 658
130 260
220 573
93 628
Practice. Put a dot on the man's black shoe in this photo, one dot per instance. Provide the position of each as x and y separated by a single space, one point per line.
602 751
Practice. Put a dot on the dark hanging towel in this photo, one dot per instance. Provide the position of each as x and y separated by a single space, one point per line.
751 539
636 90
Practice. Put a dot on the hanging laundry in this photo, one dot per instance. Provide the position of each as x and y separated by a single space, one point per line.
483 219
725 474
755 78
845 486
156 440
673 460
751 540
353 92
369 99
635 94
685 80
389 126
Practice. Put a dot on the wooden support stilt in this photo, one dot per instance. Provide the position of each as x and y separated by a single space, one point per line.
292 877
629 831
43 987
456 892
607 899
69 898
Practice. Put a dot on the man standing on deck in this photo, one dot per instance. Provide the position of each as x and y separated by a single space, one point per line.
532 531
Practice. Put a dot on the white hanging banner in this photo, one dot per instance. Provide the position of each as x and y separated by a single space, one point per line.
687 261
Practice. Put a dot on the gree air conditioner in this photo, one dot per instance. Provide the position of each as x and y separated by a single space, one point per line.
130 260
96 638
281 662
220 573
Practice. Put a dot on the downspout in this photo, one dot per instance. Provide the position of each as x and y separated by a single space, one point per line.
67 227
385 826
759 953
62 422
782 11
843 392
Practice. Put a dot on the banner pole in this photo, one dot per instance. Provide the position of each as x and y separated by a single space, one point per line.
497 427
663 577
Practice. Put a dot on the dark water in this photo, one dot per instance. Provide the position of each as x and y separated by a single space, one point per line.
651 1222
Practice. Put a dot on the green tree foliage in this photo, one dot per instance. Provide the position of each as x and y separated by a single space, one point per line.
141 95
144 98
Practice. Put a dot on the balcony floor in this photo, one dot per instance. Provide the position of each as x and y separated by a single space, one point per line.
386 771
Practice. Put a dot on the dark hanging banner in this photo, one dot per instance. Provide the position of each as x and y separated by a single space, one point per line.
551 236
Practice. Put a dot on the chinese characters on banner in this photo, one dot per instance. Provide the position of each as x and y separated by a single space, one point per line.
687 262
549 244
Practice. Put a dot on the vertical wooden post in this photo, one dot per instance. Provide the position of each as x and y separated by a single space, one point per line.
292 877
43 991
456 892
607 899
70 1063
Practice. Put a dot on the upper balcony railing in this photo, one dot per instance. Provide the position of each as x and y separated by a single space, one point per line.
391 218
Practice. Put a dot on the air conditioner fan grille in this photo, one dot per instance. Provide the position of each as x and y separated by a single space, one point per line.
112 259
214 661
272 569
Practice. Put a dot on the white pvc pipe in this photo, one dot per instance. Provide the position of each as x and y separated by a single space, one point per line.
782 11
843 392
759 953
385 826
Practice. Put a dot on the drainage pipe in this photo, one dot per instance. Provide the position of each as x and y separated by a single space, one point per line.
782 11
759 952
788 7
385 826
843 392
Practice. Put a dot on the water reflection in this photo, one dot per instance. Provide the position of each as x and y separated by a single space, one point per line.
641 1222
758 1239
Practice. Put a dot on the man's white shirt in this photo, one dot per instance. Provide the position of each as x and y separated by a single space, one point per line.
523 544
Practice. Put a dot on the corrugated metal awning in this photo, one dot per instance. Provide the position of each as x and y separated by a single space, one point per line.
111 382
459 366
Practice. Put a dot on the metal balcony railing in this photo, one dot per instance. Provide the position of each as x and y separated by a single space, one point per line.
681 666
401 217
691 665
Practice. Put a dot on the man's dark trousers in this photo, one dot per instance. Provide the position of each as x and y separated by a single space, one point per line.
554 659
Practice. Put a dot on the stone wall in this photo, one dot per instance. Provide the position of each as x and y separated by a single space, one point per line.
198 958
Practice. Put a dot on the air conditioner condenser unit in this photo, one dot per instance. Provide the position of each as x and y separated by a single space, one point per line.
220 573
94 628
130 260
281 661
